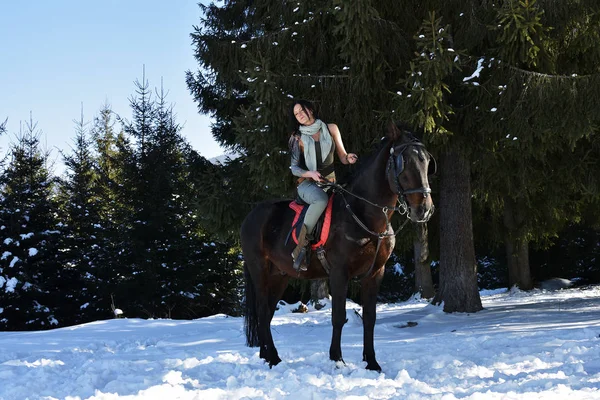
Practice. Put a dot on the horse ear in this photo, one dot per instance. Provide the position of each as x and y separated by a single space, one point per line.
393 131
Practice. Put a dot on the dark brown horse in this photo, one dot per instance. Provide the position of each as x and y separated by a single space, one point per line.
360 242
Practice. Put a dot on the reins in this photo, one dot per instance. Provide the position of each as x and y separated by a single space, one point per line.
389 231
402 207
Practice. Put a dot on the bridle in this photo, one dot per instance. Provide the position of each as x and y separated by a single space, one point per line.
395 166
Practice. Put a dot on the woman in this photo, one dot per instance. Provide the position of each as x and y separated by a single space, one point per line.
312 145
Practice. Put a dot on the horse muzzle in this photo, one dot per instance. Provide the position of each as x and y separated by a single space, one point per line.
421 212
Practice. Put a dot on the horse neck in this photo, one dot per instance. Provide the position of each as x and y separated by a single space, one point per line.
372 183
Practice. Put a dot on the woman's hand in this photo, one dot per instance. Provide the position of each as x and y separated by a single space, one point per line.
314 175
351 158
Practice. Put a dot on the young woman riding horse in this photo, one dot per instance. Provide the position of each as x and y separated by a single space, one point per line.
312 151
360 242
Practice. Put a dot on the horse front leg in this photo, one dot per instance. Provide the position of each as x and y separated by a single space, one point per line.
369 289
338 287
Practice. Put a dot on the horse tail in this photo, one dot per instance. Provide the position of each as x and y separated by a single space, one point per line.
250 315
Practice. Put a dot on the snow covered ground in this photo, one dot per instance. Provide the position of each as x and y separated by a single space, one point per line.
538 345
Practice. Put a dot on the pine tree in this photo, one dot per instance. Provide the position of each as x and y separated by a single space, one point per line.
541 124
171 268
83 235
109 156
30 267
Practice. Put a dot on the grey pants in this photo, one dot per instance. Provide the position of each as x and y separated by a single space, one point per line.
317 198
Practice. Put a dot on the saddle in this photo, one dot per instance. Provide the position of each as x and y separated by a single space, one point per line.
321 229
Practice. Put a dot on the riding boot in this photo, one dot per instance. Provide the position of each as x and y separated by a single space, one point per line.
300 253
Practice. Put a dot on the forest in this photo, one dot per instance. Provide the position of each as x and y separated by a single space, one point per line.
501 93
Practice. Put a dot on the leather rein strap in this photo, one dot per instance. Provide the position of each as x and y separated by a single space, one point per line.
393 178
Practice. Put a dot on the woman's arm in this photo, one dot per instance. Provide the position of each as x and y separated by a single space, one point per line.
345 158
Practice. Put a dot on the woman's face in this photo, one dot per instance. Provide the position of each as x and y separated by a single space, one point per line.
303 117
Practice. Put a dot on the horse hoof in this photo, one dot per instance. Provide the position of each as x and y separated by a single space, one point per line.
374 366
274 362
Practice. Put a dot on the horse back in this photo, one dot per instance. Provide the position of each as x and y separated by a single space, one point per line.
266 226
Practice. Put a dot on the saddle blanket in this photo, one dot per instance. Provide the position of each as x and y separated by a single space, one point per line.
324 222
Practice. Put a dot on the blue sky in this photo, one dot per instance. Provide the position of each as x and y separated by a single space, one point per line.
56 55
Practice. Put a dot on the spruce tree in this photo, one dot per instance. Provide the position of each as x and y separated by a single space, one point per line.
83 232
540 127
30 267
468 76
172 269
108 144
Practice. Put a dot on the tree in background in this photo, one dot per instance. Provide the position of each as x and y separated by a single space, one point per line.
110 145
31 271
168 263
83 231
119 229
540 134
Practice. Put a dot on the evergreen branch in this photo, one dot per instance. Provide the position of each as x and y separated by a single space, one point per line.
551 76
310 76
282 30
397 27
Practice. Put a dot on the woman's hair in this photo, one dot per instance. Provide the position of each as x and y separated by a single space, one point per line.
306 106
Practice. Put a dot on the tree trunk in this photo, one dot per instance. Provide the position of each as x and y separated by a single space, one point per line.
517 249
423 281
458 269
318 290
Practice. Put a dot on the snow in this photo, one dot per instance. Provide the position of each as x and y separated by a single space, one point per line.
477 71
398 270
13 262
32 251
11 284
523 345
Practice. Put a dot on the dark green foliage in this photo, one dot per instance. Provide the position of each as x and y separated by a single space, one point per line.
31 277
120 230
82 232
575 255
166 260
398 281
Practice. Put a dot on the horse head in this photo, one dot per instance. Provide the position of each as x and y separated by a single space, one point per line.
408 169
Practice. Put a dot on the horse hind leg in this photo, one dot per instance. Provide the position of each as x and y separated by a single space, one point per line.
275 288
263 291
